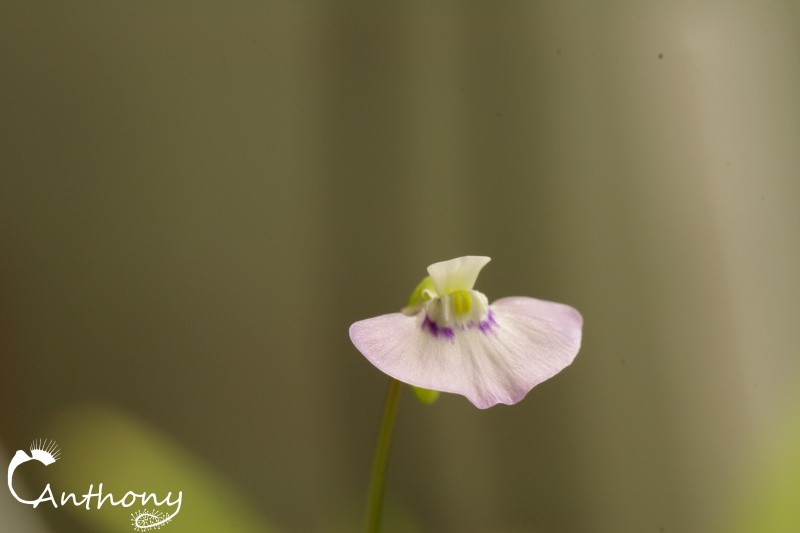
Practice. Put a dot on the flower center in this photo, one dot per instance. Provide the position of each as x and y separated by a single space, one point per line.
461 309
462 302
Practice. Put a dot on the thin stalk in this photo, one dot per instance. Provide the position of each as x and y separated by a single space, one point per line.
379 463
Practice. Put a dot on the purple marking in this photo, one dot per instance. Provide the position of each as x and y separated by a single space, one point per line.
484 326
435 330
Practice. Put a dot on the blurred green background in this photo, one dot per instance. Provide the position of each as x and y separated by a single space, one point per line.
198 198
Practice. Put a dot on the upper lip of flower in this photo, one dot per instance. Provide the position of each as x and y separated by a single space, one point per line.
450 339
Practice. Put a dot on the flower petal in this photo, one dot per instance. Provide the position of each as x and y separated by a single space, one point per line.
527 342
457 274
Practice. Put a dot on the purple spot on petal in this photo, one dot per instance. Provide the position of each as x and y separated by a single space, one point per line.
434 329
487 325
430 326
484 326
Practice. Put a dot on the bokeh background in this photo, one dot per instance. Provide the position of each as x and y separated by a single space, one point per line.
198 198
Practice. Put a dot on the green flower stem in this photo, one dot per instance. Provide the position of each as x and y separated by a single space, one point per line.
378 480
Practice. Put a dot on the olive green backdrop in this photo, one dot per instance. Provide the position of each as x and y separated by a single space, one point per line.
197 199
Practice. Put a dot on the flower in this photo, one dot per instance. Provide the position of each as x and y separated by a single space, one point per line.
450 339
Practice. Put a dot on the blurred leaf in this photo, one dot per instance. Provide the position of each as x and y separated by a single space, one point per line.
772 501
100 445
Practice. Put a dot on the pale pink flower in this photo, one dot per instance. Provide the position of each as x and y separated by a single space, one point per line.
450 339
